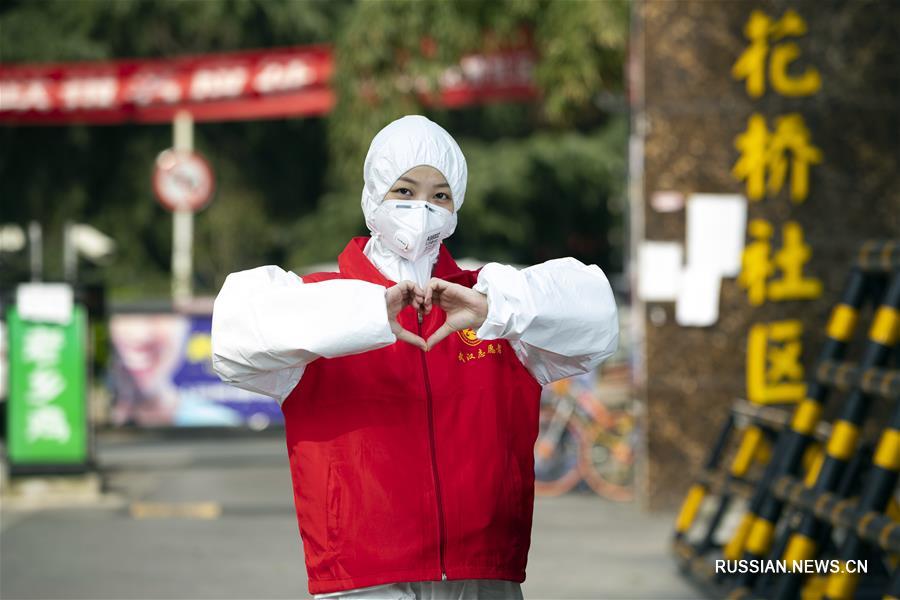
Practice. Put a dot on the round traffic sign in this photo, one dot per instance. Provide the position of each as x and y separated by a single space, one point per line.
182 180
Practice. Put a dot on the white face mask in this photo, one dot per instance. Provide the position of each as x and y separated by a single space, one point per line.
412 229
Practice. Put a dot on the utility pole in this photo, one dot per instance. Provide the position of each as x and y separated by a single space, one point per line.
183 219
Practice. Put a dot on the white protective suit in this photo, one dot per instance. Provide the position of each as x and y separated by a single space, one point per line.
560 316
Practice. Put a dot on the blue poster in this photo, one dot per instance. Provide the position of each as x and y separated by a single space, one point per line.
162 376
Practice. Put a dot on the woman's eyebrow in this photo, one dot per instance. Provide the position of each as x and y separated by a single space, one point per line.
414 182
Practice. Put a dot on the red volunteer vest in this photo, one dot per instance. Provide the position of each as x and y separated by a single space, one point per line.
413 466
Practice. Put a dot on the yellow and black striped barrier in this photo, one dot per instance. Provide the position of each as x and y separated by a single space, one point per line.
844 375
893 591
876 528
879 255
753 539
753 448
838 484
690 507
874 525
844 443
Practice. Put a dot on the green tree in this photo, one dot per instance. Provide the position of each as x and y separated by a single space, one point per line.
268 172
580 45
545 177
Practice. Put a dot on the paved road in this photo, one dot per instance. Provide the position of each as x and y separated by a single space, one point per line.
238 537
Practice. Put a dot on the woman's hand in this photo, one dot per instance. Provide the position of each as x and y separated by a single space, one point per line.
398 297
465 308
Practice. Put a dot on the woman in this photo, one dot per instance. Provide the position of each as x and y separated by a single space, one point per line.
410 387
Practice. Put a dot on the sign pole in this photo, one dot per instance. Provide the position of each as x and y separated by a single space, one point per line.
183 221
36 251
70 254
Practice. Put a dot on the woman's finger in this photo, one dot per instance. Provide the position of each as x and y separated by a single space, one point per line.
410 338
433 292
409 292
430 300
419 295
394 300
429 292
442 332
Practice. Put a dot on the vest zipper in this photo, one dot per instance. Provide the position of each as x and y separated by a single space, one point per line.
434 469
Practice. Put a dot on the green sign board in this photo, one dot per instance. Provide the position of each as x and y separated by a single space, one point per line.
46 414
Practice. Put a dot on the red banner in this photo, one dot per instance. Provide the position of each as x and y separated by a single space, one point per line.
241 85
273 83
481 78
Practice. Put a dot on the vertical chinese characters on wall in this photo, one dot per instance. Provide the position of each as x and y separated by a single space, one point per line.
772 158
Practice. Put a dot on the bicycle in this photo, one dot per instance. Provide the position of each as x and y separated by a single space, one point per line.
587 433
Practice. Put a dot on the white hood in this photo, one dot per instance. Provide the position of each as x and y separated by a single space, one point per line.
403 144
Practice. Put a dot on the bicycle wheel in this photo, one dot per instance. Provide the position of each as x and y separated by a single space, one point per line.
556 457
606 462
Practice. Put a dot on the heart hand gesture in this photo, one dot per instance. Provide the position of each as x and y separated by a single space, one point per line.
465 308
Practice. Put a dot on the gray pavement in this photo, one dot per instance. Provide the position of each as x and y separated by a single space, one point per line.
213 518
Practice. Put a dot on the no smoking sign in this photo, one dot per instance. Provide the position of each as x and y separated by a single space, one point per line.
182 181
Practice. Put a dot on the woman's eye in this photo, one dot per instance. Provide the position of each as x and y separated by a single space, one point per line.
442 197
403 191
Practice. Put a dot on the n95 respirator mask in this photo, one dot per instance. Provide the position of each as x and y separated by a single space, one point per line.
412 228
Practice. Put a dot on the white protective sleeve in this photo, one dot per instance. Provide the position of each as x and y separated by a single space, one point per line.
268 325
560 316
